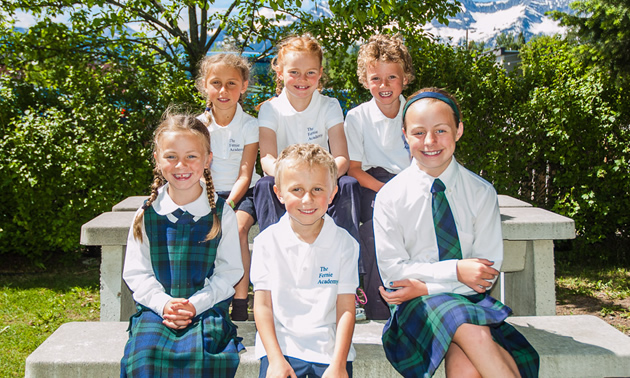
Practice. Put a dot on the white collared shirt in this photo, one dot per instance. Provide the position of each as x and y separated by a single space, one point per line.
308 126
376 140
228 266
304 281
406 245
227 144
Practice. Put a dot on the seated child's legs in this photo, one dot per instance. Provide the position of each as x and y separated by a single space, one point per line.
376 308
240 301
245 218
303 369
483 353
345 207
368 195
268 208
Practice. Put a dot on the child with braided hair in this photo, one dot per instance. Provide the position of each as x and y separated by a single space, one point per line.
180 264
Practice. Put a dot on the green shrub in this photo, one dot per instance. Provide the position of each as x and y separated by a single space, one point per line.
73 149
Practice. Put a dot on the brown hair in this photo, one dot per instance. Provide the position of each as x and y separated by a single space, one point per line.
303 43
181 123
384 48
305 153
229 59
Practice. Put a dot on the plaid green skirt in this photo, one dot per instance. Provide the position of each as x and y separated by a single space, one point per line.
419 332
207 348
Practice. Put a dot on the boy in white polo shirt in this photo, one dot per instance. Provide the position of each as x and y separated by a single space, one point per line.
376 145
305 274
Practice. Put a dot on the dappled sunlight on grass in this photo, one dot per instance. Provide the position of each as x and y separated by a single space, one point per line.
603 292
34 305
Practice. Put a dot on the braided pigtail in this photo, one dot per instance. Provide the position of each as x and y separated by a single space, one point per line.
158 181
216 224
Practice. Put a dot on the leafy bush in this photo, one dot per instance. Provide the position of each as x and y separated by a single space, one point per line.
74 148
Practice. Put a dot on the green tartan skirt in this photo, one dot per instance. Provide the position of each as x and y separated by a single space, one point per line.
207 348
419 332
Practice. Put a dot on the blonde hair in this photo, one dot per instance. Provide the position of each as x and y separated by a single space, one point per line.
235 61
307 153
304 43
179 123
384 48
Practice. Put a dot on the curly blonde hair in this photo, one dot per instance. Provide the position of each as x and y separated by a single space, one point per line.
384 48
180 123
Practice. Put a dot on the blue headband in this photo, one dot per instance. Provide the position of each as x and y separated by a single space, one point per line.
437 96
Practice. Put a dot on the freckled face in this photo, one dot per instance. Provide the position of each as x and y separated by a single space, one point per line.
306 193
182 158
431 133
386 82
300 73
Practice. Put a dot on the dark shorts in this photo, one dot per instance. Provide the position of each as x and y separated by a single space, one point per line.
246 203
303 369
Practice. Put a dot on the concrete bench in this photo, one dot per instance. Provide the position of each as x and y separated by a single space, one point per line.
569 346
528 233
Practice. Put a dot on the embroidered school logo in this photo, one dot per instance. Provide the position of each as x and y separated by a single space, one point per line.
325 277
313 134
234 146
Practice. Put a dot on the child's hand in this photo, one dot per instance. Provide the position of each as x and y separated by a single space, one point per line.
178 313
476 274
280 369
335 371
409 289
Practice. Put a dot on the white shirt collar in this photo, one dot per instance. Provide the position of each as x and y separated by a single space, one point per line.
377 115
236 120
200 207
448 177
287 104
324 239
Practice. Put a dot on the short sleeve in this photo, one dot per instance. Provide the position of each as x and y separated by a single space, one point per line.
268 117
354 136
250 131
333 113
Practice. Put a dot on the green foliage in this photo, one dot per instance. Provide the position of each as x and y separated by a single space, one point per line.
578 133
74 147
510 41
604 28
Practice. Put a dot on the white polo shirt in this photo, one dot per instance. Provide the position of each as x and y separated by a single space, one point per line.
308 126
304 281
227 143
376 140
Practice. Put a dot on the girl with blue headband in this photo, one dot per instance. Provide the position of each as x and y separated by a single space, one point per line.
439 248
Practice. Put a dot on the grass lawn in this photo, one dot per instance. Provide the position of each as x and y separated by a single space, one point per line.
603 292
33 304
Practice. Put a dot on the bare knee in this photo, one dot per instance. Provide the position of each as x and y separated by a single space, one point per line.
457 364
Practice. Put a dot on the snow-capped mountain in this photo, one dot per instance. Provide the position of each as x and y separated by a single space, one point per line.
484 21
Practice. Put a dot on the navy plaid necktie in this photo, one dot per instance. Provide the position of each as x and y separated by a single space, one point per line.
183 217
445 229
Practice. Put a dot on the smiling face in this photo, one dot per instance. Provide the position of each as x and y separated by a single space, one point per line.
182 157
306 191
386 82
224 86
430 131
300 72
